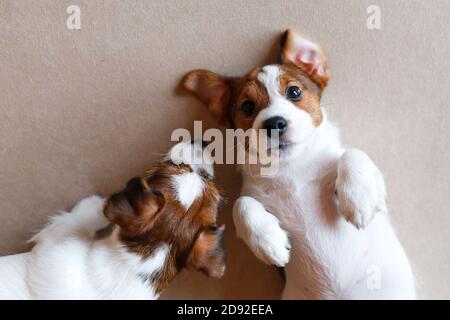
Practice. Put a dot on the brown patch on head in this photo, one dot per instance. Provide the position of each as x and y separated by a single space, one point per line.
249 92
310 100
135 209
245 90
304 64
149 215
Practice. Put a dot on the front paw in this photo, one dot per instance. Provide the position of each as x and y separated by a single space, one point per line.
359 215
360 190
272 246
261 231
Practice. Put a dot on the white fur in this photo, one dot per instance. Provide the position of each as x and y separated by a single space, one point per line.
188 186
269 77
261 231
300 123
68 263
192 154
360 189
330 258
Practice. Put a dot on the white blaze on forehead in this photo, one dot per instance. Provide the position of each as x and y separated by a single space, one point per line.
300 122
269 76
188 187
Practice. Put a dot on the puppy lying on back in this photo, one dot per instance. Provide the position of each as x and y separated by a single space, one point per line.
149 232
323 214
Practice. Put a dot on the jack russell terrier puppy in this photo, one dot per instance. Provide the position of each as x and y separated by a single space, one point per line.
128 246
324 211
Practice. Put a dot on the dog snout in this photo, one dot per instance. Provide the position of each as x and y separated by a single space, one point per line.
275 123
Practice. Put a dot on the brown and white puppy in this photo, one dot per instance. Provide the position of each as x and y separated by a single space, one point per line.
301 213
129 246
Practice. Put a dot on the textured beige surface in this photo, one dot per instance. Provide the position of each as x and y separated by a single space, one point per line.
81 111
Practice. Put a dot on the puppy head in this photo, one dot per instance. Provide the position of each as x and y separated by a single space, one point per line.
283 97
174 205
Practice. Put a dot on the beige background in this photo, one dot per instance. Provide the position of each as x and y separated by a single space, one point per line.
82 111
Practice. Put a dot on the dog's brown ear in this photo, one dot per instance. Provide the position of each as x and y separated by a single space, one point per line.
306 55
135 208
207 255
211 89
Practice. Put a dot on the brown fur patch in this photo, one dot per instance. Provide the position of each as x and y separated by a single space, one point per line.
144 225
224 96
249 88
210 88
310 101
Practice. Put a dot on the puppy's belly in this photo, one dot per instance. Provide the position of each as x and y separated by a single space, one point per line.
350 264
12 277
331 259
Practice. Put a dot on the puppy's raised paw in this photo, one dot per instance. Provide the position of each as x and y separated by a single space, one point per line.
272 246
360 190
261 231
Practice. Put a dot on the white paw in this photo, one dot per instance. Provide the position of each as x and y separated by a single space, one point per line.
261 231
89 204
271 245
360 190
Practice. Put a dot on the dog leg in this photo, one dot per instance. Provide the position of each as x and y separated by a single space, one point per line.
261 231
86 217
360 190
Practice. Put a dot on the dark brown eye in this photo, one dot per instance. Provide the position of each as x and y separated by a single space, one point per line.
294 93
248 107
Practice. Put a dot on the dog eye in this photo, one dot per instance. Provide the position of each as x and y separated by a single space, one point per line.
294 93
248 107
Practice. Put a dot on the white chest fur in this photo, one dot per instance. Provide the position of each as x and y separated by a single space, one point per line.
330 258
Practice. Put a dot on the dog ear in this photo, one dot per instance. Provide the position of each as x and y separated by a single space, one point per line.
306 55
207 255
134 208
211 89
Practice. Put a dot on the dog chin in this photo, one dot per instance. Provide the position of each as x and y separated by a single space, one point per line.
284 149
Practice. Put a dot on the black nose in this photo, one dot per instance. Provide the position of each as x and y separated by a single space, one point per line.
275 123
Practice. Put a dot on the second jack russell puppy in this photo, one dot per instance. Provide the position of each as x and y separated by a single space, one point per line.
149 232
324 211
